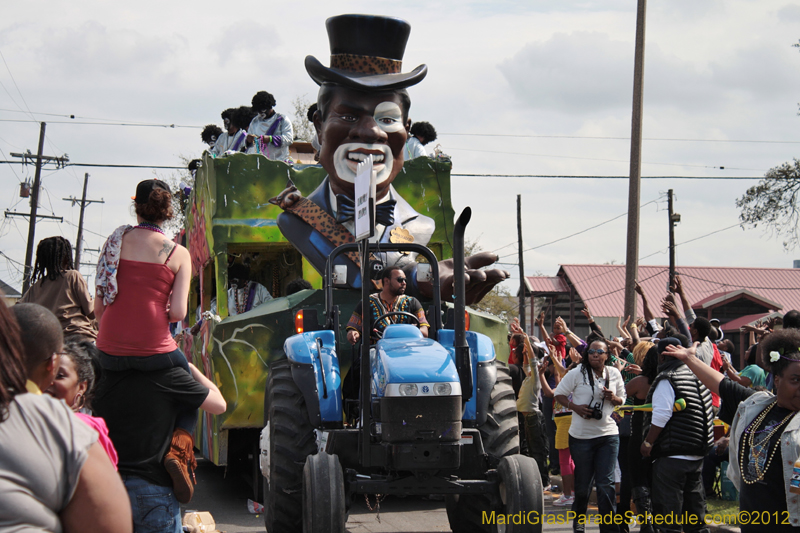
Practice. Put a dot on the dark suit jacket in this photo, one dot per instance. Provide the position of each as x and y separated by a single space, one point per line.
315 247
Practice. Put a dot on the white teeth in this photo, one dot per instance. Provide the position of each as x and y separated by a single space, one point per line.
358 156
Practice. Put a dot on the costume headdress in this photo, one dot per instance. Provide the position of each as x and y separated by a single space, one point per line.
366 54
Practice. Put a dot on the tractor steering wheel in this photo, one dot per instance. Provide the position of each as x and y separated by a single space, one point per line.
412 316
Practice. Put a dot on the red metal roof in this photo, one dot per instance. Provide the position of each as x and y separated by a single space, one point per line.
601 287
542 284
737 323
722 297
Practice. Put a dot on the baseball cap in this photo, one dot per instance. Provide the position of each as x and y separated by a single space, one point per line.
144 189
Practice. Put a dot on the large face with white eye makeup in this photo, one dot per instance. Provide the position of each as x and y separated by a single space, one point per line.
359 124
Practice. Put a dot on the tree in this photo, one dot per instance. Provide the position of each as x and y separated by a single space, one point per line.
303 129
773 203
174 180
500 301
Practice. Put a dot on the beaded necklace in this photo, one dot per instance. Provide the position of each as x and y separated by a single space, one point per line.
759 463
240 308
150 226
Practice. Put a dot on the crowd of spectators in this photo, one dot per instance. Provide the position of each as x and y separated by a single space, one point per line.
632 416
90 385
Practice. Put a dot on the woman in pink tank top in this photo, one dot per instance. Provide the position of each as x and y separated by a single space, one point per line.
142 285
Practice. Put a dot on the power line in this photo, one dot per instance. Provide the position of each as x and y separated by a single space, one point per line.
692 240
724 284
549 176
146 125
598 137
458 175
15 85
600 159
623 288
87 230
72 117
579 232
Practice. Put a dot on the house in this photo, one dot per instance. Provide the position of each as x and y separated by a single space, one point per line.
10 294
735 296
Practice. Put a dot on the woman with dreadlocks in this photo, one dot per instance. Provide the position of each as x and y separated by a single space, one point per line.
58 286
591 391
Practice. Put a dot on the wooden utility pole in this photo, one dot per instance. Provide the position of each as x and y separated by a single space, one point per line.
26 282
671 239
521 264
84 202
632 254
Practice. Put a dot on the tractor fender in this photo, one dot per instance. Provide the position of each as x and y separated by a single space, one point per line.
315 371
484 372
487 377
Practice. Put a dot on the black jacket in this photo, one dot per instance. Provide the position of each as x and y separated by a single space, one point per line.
688 432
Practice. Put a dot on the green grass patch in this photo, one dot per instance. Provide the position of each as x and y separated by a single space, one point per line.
728 510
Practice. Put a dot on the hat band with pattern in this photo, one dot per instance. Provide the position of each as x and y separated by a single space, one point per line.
365 64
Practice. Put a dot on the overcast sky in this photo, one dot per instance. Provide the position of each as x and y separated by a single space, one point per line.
514 87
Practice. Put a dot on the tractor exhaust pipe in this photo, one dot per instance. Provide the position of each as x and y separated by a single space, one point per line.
463 358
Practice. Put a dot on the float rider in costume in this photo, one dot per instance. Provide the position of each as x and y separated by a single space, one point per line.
363 110
269 133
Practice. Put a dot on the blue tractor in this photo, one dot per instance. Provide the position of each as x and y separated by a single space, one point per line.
434 415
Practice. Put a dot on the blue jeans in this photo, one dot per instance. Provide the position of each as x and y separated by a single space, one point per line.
595 460
187 419
155 509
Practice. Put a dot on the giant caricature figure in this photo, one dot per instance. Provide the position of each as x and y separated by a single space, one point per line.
363 109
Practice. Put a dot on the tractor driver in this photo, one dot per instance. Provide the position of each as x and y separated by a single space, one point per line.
392 298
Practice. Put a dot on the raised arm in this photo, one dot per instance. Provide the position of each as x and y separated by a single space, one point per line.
648 313
592 324
733 375
674 314
542 330
574 340
677 287
707 375
556 360
634 329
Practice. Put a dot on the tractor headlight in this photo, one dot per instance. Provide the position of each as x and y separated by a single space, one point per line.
442 389
408 389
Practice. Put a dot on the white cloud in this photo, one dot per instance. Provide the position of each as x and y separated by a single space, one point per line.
94 51
578 72
246 41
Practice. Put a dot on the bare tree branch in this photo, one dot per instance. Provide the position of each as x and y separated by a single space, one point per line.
773 204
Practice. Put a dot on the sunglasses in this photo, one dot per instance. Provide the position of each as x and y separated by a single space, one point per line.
400 280
593 351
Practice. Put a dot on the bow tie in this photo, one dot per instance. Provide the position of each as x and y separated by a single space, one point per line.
345 210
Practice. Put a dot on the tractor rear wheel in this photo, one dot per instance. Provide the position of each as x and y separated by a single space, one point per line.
290 441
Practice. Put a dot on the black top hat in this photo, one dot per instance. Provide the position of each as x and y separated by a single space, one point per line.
366 54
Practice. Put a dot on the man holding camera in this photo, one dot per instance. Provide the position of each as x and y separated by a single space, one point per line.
678 442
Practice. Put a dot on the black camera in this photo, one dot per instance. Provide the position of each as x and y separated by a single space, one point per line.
597 411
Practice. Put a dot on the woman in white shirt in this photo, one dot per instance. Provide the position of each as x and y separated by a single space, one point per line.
596 388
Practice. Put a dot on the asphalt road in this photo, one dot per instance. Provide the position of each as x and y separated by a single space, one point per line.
225 497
